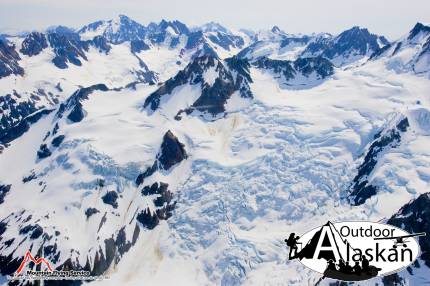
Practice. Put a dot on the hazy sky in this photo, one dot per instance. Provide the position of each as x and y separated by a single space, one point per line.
391 18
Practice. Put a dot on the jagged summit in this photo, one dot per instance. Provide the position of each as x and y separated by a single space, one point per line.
217 79
347 47
419 28
275 29
117 30
212 27
408 54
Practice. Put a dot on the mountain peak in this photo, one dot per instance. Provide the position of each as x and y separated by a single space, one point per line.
60 30
275 29
175 26
117 30
419 27
213 27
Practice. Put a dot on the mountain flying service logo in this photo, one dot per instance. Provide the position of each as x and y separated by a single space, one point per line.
47 272
354 251
28 258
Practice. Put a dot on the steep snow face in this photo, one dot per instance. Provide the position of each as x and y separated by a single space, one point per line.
409 54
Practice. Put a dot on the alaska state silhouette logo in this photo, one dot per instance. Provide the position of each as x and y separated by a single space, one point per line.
354 251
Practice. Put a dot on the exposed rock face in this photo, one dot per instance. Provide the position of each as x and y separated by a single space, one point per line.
361 188
9 60
58 140
4 189
77 113
33 44
110 198
320 66
414 217
166 30
13 132
418 28
90 211
171 152
226 41
127 29
353 42
68 48
194 40
232 75
101 44
409 54
138 46
43 152
163 203
74 104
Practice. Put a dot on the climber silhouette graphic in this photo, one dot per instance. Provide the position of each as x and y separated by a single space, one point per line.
327 244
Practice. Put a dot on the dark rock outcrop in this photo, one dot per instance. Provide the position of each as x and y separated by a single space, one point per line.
194 40
163 202
414 217
226 41
418 28
77 113
110 198
355 41
57 140
101 44
9 60
33 231
91 211
128 29
322 67
33 44
361 189
74 104
68 48
233 75
138 46
43 152
4 189
15 131
171 152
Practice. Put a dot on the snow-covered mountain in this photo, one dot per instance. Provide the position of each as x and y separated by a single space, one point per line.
410 53
347 47
176 155
275 44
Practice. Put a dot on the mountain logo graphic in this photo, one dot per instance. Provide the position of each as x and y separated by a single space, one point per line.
29 258
354 251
